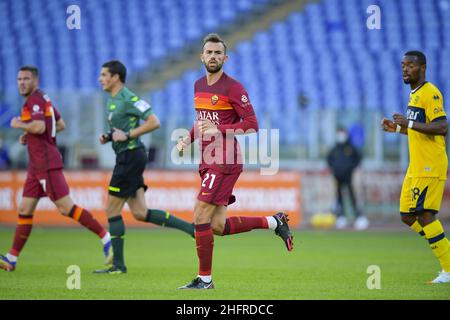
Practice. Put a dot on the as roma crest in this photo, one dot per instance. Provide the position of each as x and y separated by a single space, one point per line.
214 99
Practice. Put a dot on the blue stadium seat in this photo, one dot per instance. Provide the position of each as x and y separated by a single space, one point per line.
324 53
327 54
137 31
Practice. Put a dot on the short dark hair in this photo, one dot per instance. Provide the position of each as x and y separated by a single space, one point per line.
116 67
214 37
34 70
421 59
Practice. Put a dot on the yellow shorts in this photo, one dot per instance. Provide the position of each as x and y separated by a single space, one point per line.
421 194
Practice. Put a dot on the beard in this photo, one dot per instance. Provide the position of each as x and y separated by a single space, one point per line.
215 69
26 92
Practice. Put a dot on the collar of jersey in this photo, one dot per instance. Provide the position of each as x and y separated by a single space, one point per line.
417 89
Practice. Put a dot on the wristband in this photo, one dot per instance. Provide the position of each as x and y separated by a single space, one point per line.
398 129
128 134
410 124
108 136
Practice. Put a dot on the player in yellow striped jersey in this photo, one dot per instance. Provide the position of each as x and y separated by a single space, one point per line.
425 124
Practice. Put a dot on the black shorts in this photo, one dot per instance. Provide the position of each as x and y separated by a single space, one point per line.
128 172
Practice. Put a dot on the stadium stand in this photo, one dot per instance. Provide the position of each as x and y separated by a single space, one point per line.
321 58
327 54
139 32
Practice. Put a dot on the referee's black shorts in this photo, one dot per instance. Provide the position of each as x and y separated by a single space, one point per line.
128 172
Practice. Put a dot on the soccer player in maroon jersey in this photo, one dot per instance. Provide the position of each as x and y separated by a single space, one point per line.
223 110
40 122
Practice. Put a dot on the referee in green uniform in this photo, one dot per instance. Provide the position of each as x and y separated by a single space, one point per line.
125 110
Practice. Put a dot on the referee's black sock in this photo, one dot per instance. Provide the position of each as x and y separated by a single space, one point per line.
117 231
165 219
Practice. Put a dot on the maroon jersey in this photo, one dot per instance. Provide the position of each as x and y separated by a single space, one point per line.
42 150
226 104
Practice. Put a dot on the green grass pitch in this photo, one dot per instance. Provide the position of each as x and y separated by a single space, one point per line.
254 266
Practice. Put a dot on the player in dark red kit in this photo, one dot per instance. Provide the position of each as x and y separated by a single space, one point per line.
40 122
223 110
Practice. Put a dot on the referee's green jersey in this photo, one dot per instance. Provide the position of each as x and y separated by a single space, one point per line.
124 111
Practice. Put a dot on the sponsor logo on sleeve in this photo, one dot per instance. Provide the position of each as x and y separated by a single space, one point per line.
142 105
438 110
37 109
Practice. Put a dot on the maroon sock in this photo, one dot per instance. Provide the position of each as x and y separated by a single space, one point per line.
23 230
205 244
86 219
243 224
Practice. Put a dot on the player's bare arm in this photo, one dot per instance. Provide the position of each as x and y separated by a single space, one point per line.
151 123
60 125
389 126
33 127
436 128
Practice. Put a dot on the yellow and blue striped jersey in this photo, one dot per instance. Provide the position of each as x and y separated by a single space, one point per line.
427 153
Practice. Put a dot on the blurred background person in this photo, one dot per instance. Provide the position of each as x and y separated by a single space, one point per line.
342 160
